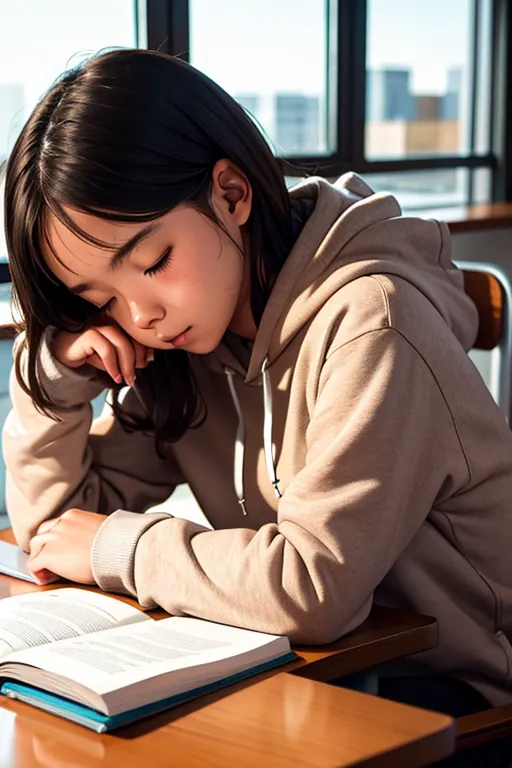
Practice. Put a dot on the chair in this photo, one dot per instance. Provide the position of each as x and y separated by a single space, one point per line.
490 288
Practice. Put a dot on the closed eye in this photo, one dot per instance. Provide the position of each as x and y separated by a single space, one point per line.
161 264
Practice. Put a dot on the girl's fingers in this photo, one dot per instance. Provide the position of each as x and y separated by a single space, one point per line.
108 348
124 350
47 525
105 346
101 347
37 544
44 576
96 361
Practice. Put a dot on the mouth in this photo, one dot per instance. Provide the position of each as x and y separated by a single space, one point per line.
180 339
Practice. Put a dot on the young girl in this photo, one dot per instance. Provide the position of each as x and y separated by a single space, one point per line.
298 358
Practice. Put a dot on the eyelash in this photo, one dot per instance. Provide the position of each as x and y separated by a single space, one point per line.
161 264
164 262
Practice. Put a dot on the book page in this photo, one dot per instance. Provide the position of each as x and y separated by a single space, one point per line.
38 618
177 649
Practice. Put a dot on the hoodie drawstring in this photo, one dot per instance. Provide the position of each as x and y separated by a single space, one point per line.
240 437
267 430
239 443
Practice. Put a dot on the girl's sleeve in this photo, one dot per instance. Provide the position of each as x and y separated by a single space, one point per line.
380 444
75 462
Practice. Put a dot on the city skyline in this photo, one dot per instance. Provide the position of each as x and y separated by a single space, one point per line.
269 60
12 102
294 122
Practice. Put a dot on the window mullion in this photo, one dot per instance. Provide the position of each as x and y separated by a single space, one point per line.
168 27
351 80
501 107
475 57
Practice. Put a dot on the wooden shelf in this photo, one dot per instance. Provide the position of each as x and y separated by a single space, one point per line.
473 217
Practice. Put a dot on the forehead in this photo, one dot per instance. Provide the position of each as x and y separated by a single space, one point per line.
70 254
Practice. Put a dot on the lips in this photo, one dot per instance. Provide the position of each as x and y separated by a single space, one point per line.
179 338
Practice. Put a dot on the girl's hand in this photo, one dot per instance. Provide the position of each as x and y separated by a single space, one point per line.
62 547
103 345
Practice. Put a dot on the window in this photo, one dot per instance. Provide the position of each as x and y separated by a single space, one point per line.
277 71
38 40
418 90
401 91
428 95
398 90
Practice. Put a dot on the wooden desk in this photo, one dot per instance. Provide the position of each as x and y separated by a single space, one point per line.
386 635
282 722
277 719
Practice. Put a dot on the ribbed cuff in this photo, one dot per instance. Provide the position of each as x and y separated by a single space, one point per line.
113 549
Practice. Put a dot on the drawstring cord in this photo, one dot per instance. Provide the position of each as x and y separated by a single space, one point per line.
267 430
238 469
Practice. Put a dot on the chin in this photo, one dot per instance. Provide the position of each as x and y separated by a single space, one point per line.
203 346
200 349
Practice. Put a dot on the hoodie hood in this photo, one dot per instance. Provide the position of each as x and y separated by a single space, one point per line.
349 232
353 232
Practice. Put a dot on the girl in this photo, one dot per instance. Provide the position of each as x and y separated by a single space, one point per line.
298 358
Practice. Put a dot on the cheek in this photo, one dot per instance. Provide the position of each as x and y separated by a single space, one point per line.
205 273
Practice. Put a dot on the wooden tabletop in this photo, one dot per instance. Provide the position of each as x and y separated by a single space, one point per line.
277 719
284 722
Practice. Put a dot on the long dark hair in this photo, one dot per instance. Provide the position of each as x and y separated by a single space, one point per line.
127 136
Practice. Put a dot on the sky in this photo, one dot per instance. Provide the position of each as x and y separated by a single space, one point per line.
273 44
41 38
247 46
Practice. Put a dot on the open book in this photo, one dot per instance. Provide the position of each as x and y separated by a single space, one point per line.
102 663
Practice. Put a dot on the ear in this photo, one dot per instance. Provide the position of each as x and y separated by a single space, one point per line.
231 191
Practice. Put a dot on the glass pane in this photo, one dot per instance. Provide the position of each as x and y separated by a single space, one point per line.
482 185
437 188
419 63
271 56
484 78
38 41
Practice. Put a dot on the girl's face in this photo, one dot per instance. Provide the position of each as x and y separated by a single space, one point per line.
177 281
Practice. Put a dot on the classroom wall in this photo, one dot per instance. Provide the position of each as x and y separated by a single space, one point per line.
494 246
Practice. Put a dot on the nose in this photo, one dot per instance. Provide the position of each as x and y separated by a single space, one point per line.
145 315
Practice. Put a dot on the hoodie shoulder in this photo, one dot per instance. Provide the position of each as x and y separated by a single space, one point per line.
355 309
380 302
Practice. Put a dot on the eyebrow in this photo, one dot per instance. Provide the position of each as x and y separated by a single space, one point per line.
120 255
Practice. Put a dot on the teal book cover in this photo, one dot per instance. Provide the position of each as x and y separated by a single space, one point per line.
96 721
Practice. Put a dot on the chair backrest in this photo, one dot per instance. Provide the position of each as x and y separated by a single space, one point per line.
490 288
487 295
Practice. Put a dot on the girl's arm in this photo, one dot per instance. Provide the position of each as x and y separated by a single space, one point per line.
53 466
380 444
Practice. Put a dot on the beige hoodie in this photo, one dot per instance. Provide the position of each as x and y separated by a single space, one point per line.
365 447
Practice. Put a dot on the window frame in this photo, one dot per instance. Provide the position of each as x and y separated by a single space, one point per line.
346 58
168 30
